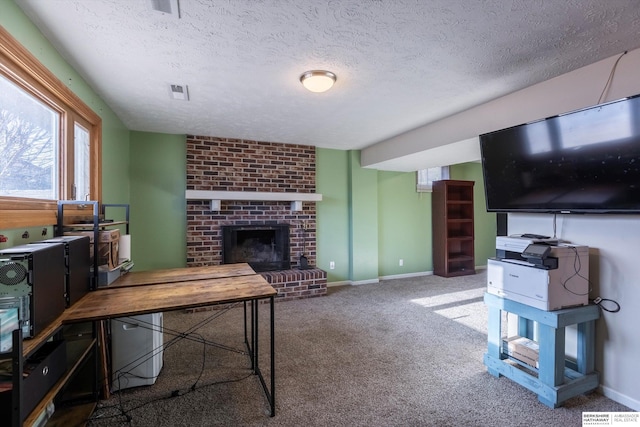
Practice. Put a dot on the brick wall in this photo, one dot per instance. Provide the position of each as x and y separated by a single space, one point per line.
224 164
241 165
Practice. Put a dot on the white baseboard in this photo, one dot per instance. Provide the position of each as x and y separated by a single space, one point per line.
390 277
407 275
353 282
365 282
341 283
620 398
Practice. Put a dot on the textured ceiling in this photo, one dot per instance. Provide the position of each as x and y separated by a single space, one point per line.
400 63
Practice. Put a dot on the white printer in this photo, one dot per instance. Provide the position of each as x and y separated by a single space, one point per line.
511 247
542 273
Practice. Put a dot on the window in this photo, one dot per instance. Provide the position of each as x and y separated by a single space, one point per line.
81 189
29 141
425 177
49 141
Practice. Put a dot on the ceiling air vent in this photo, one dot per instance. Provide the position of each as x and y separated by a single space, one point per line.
166 6
179 92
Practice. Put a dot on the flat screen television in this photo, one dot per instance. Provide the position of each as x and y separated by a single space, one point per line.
585 161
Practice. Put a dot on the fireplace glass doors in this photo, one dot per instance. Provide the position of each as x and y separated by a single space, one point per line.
263 247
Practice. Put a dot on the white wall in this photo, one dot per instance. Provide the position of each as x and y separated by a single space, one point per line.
614 267
454 139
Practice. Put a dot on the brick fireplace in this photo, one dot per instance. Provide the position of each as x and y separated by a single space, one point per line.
222 164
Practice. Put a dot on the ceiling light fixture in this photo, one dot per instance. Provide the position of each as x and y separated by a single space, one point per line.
318 80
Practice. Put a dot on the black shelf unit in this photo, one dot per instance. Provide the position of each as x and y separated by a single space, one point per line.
81 366
97 223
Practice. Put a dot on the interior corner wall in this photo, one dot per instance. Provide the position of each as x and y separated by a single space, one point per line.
484 223
332 213
363 221
404 225
347 217
369 220
158 218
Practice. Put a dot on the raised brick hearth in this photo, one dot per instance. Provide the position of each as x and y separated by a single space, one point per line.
294 284
223 164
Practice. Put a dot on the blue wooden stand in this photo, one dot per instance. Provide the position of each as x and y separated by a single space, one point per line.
557 379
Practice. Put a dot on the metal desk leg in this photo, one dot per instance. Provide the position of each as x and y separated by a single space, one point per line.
244 318
253 349
256 325
273 357
250 344
270 393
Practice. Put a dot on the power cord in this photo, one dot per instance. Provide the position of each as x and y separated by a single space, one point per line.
615 305
98 414
178 336
577 266
613 70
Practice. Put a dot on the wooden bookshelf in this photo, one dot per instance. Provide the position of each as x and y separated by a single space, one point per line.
452 226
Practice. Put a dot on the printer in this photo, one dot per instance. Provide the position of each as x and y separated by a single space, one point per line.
511 247
539 272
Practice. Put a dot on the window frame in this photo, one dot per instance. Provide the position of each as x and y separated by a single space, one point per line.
426 186
21 67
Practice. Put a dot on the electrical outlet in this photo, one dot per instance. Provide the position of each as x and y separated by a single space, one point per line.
401 262
332 265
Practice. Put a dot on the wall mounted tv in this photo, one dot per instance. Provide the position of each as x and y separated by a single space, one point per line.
585 161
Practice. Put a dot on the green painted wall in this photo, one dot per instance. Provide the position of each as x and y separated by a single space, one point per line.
115 136
333 213
158 206
485 223
363 220
404 223
368 220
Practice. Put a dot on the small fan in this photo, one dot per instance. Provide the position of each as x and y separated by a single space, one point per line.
12 274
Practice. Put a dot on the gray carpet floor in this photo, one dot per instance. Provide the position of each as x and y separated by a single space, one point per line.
404 352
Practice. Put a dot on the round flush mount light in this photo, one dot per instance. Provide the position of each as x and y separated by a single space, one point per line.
318 80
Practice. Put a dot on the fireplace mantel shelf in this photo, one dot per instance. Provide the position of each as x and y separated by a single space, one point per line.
215 197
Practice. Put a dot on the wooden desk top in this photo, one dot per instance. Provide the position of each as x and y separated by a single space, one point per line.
172 275
129 301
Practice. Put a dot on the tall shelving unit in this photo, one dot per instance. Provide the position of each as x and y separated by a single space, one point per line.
75 392
452 226
97 223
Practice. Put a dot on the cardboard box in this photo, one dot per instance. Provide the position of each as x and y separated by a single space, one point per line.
108 246
523 349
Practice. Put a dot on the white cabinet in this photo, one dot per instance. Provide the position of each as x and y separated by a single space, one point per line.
136 350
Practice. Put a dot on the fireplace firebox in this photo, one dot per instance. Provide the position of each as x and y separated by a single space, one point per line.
263 247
